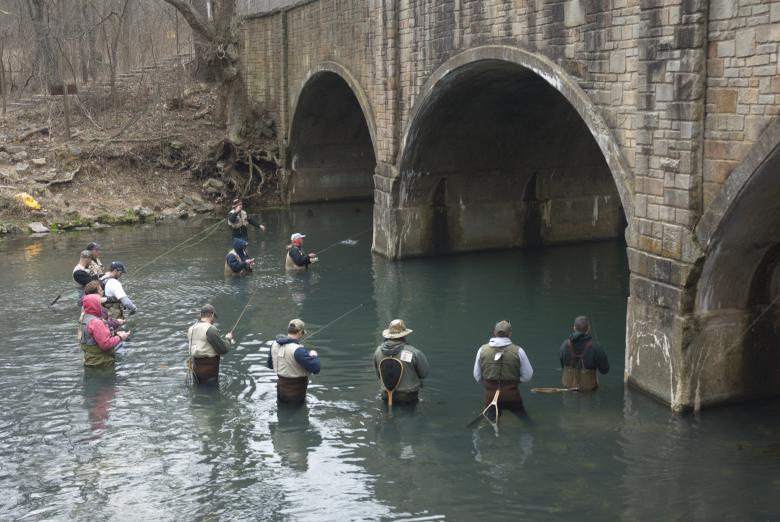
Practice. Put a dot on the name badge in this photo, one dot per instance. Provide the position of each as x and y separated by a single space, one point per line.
498 356
406 356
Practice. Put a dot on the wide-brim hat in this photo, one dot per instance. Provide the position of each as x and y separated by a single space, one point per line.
396 329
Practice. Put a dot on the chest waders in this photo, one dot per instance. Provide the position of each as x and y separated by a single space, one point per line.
93 355
576 375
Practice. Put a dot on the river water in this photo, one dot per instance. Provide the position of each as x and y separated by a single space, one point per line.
140 444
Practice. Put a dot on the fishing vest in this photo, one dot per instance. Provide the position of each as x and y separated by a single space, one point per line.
410 381
283 357
289 264
576 375
506 368
112 305
199 344
96 267
93 355
242 220
229 271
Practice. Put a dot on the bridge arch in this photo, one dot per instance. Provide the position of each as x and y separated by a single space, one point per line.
735 355
332 147
490 102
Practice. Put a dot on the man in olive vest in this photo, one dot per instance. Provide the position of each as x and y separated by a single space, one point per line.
96 341
500 365
293 364
206 347
414 362
238 220
581 356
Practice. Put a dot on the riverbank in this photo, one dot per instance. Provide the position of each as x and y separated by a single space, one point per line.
152 150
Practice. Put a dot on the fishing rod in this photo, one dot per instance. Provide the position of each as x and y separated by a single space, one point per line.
334 321
343 241
246 307
208 231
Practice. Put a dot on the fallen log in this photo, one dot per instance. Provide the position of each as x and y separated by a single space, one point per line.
32 132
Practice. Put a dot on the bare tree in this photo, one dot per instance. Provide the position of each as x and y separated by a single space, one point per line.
221 36
48 54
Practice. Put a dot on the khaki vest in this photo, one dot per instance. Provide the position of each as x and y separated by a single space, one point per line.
581 378
505 369
284 360
96 267
199 344
290 265
229 271
242 220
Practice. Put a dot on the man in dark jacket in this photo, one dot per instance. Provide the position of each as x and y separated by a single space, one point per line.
295 258
293 363
415 364
581 356
81 273
238 220
237 262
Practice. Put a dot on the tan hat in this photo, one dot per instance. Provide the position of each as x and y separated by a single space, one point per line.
502 329
396 330
297 325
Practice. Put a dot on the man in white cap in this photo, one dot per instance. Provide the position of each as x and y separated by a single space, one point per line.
206 346
293 363
296 259
500 365
415 364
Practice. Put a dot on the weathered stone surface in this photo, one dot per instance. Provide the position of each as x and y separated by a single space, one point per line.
10 228
20 156
22 167
39 162
38 227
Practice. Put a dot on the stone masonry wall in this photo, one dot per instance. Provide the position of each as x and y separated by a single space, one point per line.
743 83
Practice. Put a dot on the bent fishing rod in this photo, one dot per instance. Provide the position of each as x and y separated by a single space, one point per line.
343 241
337 319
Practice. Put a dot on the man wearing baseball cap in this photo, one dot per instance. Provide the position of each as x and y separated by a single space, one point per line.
293 364
296 259
81 273
238 220
500 365
116 298
206 347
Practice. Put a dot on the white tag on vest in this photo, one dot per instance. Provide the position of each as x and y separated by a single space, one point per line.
498 356
406 356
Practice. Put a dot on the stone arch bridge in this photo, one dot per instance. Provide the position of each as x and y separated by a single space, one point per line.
478 124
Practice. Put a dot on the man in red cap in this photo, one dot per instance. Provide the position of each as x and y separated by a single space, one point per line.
296 259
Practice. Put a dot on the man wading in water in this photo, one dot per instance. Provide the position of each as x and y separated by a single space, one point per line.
295 258
206 347
293 364
237 262
414 363
116 298
96 341
500 365
581 356
238 220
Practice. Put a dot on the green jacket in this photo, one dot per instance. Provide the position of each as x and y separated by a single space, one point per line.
414 361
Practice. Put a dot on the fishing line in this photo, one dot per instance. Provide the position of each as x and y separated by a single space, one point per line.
334 321
209 230
343 241
246 306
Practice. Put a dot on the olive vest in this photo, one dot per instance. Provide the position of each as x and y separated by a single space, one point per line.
242 220
576 376
93 355
410 381
199 344
504 367
283 357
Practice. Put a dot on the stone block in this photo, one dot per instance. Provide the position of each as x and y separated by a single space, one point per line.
573 13
672 241
774 13
754 127
664 92
617 62
725 100
715 67
723 9
745 44
726 49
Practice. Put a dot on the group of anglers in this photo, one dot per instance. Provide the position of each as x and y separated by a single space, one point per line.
500 365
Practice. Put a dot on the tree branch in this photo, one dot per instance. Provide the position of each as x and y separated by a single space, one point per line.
194 18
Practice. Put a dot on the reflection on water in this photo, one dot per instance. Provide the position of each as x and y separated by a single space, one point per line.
138 443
